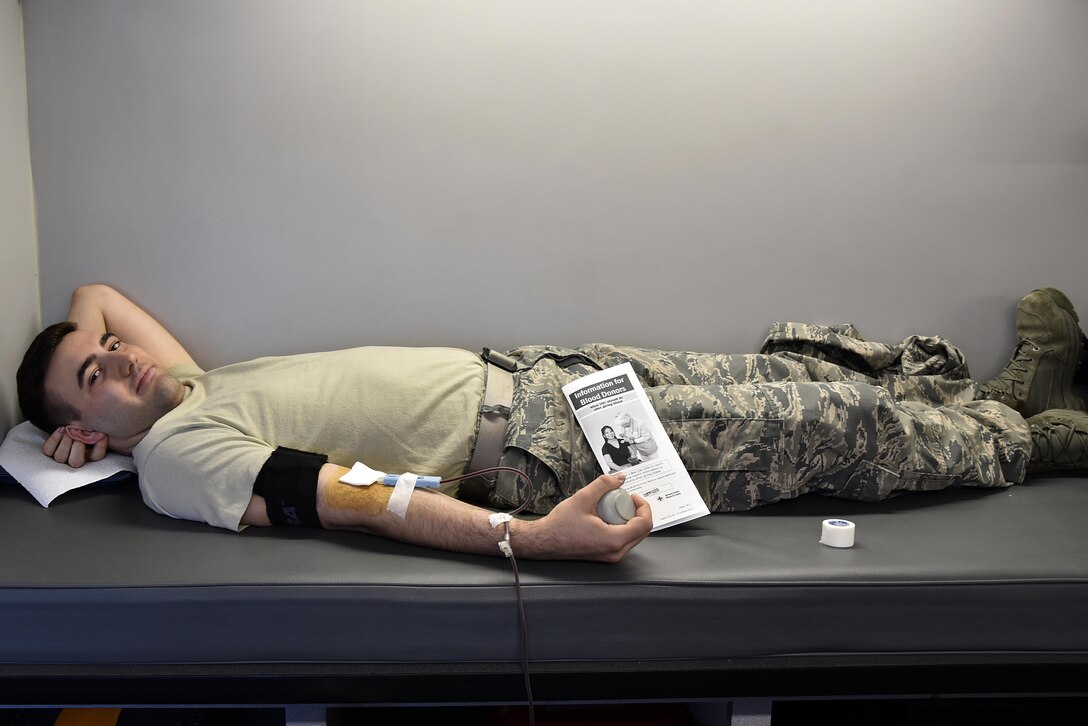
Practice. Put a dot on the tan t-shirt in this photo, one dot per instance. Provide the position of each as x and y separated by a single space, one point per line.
395 409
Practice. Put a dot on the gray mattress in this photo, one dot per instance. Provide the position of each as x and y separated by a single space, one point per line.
993 583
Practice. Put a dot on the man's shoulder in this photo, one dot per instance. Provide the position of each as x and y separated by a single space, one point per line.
185 370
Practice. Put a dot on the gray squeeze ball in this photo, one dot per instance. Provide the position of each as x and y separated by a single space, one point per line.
616 507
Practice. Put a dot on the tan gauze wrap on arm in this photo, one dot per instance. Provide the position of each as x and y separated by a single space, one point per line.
371 500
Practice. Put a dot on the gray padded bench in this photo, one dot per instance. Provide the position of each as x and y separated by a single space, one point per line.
966 591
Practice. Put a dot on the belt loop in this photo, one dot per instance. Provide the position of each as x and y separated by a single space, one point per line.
505 362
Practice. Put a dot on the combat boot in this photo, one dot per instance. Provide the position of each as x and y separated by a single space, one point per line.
1061 441
1040 375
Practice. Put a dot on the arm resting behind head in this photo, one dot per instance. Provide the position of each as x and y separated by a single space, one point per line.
100 308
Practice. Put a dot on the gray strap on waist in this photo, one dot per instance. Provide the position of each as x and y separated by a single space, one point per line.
494 412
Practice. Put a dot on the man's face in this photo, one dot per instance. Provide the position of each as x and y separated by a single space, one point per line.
117 388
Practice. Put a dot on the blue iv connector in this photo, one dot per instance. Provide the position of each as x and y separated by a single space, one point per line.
423 482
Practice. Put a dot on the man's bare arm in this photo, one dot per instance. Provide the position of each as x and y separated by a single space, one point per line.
572 531
101 308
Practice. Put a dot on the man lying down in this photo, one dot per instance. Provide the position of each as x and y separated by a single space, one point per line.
817 410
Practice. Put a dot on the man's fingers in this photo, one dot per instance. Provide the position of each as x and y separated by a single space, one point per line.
77 456
636 530
604 484
641 506
63 450
51 444
98 453
643 521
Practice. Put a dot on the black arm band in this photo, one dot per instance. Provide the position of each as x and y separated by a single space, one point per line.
288 483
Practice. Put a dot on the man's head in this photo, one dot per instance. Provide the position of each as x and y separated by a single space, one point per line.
44 411
95 385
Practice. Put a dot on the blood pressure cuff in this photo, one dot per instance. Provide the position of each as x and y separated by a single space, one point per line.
288 483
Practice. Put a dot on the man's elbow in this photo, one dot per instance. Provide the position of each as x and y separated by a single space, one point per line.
256 514
91 289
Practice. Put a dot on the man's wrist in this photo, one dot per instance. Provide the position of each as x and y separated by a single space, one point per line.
537 539
524 538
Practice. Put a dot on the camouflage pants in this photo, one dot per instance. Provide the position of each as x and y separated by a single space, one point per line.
819 409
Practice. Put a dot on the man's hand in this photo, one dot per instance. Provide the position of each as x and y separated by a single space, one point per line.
63 449
573 531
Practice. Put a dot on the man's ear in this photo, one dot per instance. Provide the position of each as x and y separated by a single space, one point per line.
89 437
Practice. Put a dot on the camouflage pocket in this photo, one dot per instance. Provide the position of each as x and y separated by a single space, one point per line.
726 444
735 462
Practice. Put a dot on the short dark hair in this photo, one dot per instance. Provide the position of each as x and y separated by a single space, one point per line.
43 410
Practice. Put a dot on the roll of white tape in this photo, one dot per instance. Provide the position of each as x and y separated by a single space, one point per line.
837 533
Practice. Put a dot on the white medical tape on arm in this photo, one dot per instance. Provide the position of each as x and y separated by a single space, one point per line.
402 493
499 518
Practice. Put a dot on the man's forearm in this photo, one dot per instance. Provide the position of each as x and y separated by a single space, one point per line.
88 307
571 531
432 519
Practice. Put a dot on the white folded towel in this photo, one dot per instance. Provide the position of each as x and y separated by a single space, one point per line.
21 456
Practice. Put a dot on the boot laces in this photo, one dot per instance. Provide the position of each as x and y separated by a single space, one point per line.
1016 371
1061 443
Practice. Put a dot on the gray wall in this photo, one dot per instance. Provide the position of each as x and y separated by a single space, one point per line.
18 248
272 175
